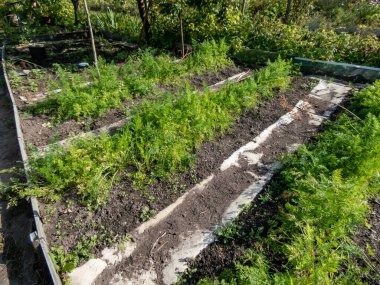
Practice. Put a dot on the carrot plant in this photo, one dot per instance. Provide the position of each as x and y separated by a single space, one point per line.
119 83
325 189
158 141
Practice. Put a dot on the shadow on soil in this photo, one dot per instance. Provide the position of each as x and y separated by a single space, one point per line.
19 262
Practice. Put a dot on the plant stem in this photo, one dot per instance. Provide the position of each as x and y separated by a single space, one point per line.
288 10
182 40
243 7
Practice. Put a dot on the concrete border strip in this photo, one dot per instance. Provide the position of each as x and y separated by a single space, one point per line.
235 78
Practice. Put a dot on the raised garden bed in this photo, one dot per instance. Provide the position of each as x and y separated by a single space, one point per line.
201 130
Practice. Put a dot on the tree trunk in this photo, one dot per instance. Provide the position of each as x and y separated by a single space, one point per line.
288 10
182 38
243 7
76 6
143 11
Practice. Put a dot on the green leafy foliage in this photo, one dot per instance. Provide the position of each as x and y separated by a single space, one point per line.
66 262
320 44
116 84
349 13
120 22
326 187
158 141
202 20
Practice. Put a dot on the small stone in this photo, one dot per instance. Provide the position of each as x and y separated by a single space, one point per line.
23 98
46 125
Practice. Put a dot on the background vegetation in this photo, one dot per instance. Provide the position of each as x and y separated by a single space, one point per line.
344 30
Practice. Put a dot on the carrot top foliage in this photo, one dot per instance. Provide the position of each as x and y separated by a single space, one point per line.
137 78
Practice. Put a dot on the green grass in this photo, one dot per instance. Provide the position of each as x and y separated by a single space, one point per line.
137 78
158 141
325 189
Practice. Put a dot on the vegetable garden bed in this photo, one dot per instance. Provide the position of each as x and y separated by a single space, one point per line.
171 141
139 172
210 76
69 249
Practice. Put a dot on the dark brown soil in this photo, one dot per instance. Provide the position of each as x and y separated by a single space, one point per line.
19 263
254 223
211 78
127 208
40 131
368 239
